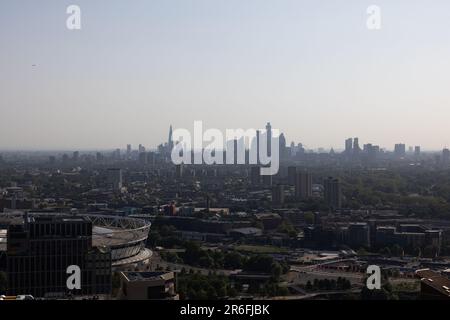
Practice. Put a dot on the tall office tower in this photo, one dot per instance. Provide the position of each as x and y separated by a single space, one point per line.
170 142
332 193
300 149
151 158
269 138
282 146
410 149
116 154
349 146
141 148
115 178
359 235
179 171
292 175
356 148
292 151
255 175
303 185
417 151
258 139
278 194
266 180
76 156
143 158
400 150
128 151
235 148
40 249
371 151
445 156
240 151
65 158
99 156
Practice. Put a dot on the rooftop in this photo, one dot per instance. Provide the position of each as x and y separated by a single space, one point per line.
435 280
145 276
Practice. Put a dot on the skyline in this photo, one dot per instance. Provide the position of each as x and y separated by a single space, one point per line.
135 147
313 69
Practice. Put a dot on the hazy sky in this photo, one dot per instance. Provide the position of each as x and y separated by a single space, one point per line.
311 68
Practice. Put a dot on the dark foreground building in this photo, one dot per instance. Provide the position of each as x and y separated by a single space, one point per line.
433 285
40 250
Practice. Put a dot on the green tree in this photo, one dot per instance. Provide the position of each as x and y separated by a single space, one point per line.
233 260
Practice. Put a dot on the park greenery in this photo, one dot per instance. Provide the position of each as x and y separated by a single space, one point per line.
195 286
195 256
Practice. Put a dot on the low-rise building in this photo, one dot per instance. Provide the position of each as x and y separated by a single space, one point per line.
148 286
433 285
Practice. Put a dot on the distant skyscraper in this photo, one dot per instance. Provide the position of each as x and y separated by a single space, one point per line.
269 138
116 154
76 156
115 178
128 151
170 142
445 156
278 194
400 150
255 175
292 151
282 146
303 185
267 180
151 158
300 149
349 146
371 151
258 138
292 175
99 156
356 148
179 171
143 158
333 193
417 151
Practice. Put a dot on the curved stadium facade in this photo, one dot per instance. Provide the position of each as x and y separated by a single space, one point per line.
124 236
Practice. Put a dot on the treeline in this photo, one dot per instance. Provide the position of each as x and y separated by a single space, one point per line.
419 192
195 286
195 256
328 284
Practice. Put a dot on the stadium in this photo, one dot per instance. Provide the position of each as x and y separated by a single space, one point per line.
124 236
